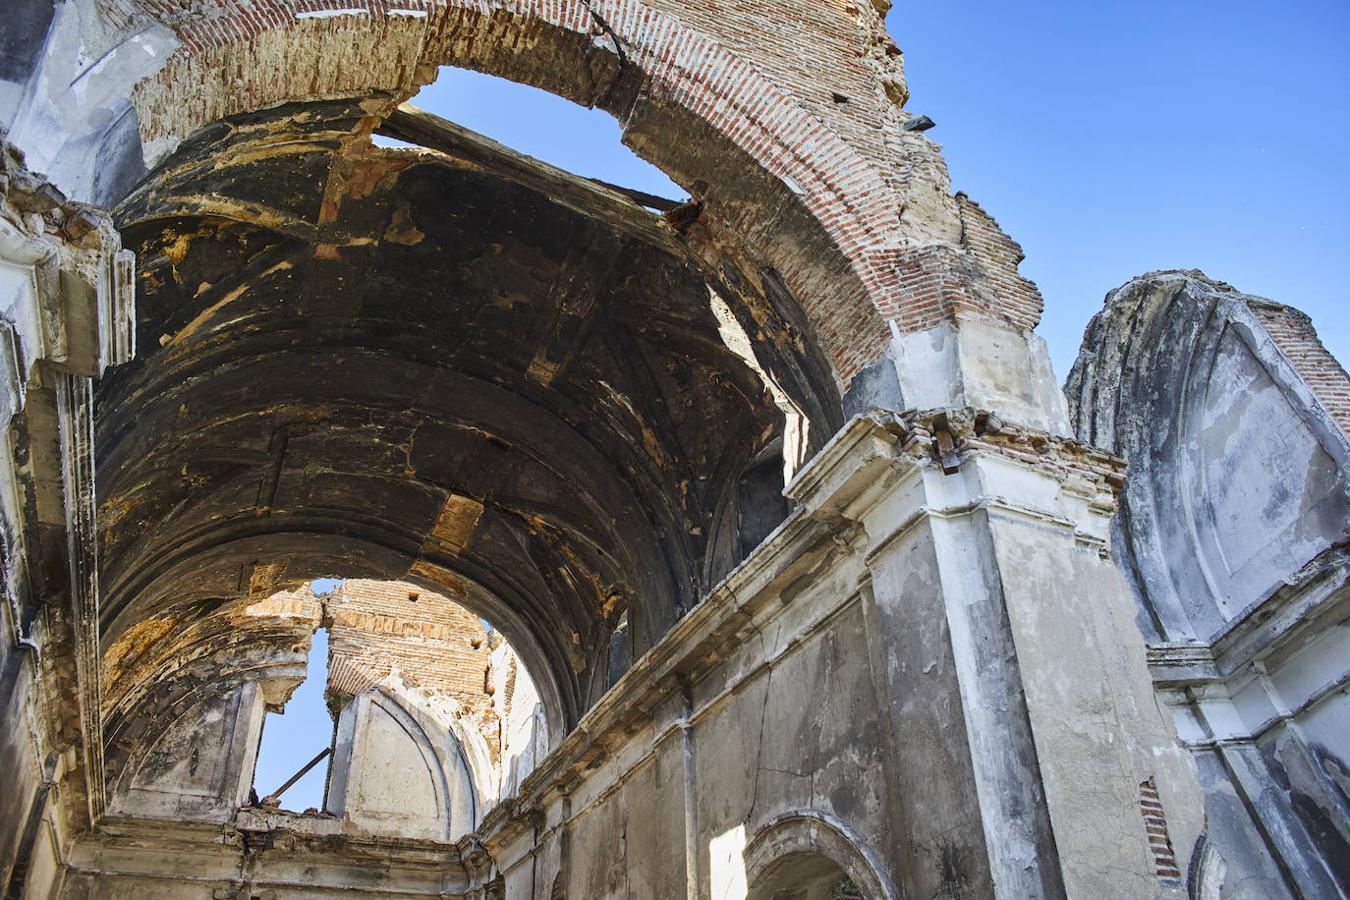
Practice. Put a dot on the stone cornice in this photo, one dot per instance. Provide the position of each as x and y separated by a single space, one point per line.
80 303
879 441
1283 618
281 831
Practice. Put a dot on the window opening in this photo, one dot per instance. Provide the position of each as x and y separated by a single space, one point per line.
805 876
620 651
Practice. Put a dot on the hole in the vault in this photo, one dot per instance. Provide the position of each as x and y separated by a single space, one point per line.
324 587
585 142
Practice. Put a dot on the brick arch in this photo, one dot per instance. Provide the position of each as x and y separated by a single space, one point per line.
804 200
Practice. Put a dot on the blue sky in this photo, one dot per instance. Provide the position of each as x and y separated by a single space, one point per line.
1113 138
292 738
1108 138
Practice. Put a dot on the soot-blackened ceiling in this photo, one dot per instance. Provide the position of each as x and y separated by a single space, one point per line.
463 368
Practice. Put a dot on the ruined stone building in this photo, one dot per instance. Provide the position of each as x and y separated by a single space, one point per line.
805 579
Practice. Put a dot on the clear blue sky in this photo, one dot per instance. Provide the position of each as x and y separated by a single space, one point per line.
1113 138
1109 138
292 738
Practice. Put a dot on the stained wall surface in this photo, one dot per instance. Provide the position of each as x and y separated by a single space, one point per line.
66 298
792 725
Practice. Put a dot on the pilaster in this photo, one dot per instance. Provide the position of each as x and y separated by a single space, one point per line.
1024 742
66 313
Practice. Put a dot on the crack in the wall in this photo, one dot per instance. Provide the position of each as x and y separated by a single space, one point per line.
763 715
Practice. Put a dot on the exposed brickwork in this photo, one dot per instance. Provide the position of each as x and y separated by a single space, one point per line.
381 631
1155 823
808 97
377 628
940 283
549 43
1293 332
1005 293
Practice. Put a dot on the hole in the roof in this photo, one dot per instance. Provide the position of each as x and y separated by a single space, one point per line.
585 142
388 684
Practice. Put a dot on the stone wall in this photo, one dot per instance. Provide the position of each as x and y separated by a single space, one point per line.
776 714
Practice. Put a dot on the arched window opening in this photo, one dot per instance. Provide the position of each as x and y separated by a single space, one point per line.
760 504
620 650
383 704
810 855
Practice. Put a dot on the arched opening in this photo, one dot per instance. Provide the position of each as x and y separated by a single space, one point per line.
811 855
545 126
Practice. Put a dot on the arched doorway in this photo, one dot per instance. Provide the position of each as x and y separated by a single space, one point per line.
805 876
810 855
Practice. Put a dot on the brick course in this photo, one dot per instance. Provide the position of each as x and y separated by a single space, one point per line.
1293 332
377 631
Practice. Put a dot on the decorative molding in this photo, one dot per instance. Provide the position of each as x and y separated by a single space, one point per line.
75 405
